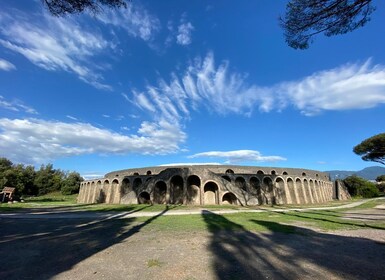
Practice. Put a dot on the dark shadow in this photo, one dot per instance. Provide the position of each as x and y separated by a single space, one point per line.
43 248
289 252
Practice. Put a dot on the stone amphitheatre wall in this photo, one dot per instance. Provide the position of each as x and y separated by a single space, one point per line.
208 185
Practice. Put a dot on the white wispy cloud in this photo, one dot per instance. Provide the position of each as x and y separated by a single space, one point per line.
16 106
222 91
237 156
351 86
136 21
54 44
184 33
37 141
5 65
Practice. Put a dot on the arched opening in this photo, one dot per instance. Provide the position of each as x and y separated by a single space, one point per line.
268 191
273 172
148 172
144 198
176 190
160 191
284 173
255 189
125 188
137 185
227 178
136 174
303 174
114 190
301 195
241 183
229 198
210 193
290 186
260 172
193 190
229 171
280 187
313 191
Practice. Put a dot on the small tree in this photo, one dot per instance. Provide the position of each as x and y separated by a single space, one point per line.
71 183
372 149
380 178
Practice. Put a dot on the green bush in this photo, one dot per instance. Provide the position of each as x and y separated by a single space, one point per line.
359 187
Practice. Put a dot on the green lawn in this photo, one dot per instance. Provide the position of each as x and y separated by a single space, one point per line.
288 222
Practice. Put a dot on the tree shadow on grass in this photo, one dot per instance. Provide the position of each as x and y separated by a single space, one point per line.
43 248
289 252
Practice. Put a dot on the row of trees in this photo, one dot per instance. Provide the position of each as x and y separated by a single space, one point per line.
29 181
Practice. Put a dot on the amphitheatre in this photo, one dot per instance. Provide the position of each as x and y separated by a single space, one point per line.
212 185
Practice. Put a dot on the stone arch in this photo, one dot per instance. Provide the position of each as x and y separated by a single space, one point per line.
113 191
211 193
148 172
268 195
301 195
125 186
136 174
303 174
227 178
260 172
280 193
240 183
137 184
308 197
193 190
176 190
103 192
229 171
255 189
229 198
160 191
290 186
284 173
144 198
273 172
313 191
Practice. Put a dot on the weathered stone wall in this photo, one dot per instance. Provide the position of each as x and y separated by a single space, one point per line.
210 184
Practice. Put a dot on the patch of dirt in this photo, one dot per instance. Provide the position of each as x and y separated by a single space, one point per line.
374 214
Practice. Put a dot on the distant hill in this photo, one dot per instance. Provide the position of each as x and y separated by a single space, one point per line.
368 173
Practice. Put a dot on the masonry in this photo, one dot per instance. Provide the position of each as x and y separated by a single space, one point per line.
211 185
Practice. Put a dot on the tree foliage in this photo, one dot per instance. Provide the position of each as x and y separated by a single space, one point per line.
380 178
64 7
359 187
372 149
307 18
27 181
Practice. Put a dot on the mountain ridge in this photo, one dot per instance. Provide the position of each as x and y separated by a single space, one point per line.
368 173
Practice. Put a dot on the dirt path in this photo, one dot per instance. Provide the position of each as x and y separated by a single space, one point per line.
64 246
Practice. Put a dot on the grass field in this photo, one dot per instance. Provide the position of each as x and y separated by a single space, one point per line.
332 219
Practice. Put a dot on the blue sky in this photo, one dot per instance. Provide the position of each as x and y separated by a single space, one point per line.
167 82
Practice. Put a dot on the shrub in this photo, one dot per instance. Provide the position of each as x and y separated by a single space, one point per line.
359 187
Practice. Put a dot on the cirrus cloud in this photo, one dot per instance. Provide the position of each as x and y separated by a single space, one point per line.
5 65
